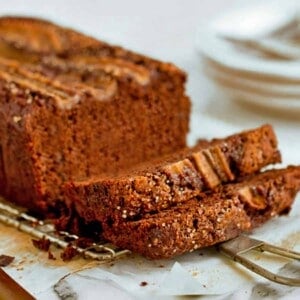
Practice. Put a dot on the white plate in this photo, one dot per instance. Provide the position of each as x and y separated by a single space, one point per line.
240 24
255 19
277 89
242 71
283 104
223 53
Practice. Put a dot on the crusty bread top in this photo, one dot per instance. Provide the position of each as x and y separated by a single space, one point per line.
66 66
28 39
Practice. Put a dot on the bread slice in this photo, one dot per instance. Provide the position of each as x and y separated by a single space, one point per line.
209 218
174 180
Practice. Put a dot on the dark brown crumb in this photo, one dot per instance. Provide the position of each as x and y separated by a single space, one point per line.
143 283
83 242
51 256
5 260
68 253
41 244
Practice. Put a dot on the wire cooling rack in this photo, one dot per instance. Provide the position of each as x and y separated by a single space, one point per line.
18 218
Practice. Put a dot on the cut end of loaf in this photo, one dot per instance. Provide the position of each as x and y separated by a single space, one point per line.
73 107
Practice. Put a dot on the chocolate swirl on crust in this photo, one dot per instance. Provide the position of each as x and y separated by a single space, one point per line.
64 90
34 41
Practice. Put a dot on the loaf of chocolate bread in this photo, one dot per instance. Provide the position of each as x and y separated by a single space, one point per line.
210 218
97 133
72 107
158 185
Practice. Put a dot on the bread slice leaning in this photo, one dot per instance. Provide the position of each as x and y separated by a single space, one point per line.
173 180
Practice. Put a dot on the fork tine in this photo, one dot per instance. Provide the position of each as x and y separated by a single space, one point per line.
280 251
266 273
243 244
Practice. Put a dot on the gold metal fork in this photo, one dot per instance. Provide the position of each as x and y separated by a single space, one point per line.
235 249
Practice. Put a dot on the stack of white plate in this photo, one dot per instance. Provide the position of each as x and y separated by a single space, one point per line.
253 53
